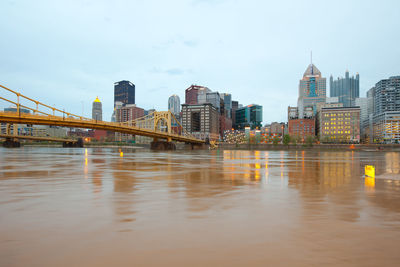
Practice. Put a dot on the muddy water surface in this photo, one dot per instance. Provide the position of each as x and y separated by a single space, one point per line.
92 207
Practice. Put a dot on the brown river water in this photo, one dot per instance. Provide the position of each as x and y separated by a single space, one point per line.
98 207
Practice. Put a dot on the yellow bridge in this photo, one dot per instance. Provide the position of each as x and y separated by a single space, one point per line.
157 125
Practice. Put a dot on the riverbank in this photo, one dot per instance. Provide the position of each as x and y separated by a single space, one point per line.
222 146
336 147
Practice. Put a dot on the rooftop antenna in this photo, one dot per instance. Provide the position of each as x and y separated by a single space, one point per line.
312 68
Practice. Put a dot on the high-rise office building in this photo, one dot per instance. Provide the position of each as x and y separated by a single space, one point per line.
387 95
347 89
312 90
386 110
174 104
192 94
124 91
97 111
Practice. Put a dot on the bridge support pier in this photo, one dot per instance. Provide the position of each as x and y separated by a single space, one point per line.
79 143
162 145
11 143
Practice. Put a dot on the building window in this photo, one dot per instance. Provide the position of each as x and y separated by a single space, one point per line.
196 122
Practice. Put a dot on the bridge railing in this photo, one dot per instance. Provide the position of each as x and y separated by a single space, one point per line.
23 103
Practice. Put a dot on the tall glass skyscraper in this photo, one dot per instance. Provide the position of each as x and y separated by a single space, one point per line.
124 91
312 90
347 89
174 104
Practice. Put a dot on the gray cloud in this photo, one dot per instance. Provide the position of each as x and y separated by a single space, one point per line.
175 71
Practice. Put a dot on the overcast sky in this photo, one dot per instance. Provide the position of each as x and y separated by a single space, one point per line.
65 53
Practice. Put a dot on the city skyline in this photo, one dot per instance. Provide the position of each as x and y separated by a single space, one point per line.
258 60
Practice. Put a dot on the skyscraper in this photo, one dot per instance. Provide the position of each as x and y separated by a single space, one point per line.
312 90
383 107
227 104
387 95
347 89
97 111
174 104
192 94
124 91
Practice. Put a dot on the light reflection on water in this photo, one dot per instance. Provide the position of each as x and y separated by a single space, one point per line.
103 206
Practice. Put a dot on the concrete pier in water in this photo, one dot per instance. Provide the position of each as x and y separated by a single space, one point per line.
10 143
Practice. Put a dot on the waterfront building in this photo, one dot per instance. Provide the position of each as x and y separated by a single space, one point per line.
97 111
301 127
124 91
201 121
174 104
386 127
275 128
331 104
347 89
312 90
249 116
387 95
383 108
339 124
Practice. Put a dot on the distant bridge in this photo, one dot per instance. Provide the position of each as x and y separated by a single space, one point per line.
38 138
11 140
42 114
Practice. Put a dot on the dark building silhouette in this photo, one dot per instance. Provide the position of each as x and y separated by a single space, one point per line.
124 91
